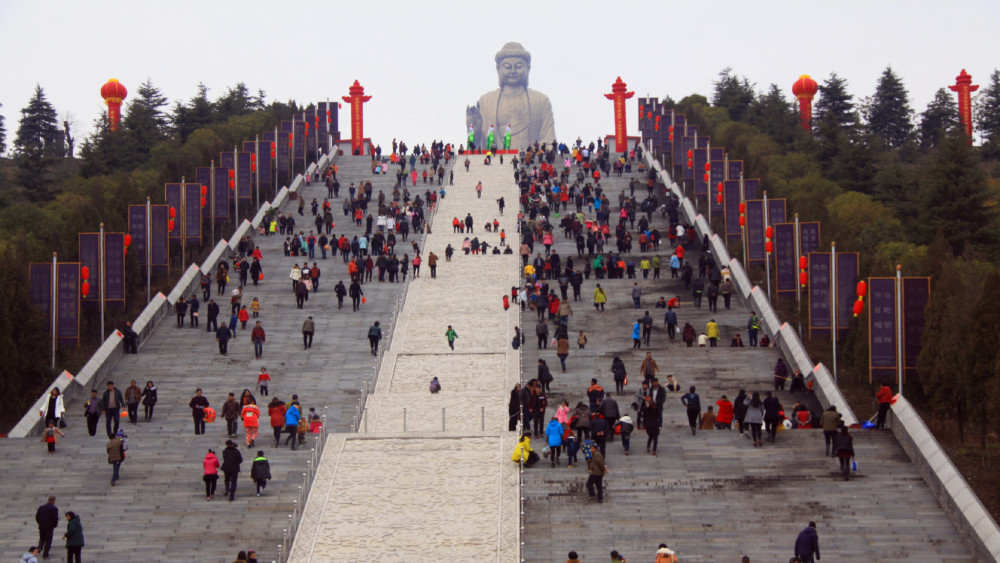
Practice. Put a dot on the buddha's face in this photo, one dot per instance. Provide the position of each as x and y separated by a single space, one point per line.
513 71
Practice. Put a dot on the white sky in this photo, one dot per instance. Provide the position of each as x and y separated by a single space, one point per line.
424 61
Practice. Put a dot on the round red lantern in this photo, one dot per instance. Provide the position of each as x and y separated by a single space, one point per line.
690 163
203 201
85 289
719 187
768 246
671 129
708 167
862 289
803 278
718 198
85 273
769 233
204 190
253 157
707 177
743 220
173 212
232 184
671 137
232 173
128 240
743 208
170 225
803 262
253 166
859 306
690 153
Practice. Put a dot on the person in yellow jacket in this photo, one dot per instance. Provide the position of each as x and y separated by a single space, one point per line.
712 332
600 298
523 452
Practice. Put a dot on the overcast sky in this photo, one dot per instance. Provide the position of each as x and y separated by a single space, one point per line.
424 62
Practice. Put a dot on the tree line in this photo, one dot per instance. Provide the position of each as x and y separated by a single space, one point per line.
48 194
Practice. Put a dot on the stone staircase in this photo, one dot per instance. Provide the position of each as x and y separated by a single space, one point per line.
713 497
158 510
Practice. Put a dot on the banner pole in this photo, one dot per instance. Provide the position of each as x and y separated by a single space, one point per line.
899 327
833 305
183 222
101 261
708 187
798 286
767 255
743 228
149 249
256 156
211 204
52 311
236 189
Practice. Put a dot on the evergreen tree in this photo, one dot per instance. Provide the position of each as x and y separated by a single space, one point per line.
987 117
38 141
145 123
940 117
197 113
890 117
774 115
954 195
834 105
733 93
237 101
3 134
105 150
983 355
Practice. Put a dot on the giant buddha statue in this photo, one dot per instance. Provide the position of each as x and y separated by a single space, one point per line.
526 112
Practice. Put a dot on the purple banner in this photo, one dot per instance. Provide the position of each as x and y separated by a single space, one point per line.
679 156
732 203
173 199
882 329
298 144
227 159
700 185
333 124
755 232
322 126
687 144
68 304
137 228
284 155
786 265
809 233
751 188
192 213
204 176
114 267
718 153
270 145
916 294
244 177
718 175
703 140
820 287
223 195
735 169
90 256
847 288
310 134
776 211
159 247
40 290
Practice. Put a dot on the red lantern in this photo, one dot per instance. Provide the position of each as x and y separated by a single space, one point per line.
690 163
718 198
803 262
671 137
173 212
170 225
707 177
708 167
253 157
272 154
719 187
232 184
128 240
803 278
289 142
232 173
203 201
743 220
671 129
85 289
690 153
859 306
862 289
273 146
85 273
253 166
768 247
204 189
769 233
743 208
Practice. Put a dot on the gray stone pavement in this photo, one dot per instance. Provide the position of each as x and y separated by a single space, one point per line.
158 510
713 497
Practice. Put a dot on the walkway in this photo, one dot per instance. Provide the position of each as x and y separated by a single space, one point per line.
432 478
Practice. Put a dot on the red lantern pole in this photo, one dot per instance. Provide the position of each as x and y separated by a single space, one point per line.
618 95
357 98
803 263
964 87
805 89
113 93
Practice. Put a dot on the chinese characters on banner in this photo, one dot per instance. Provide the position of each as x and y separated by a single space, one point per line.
820 318
882 329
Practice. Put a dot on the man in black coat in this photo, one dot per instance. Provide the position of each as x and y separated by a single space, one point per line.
223 335
130 338
113 403
47 517
231 460
213 317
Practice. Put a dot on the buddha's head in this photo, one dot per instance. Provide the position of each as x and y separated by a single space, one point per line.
513 65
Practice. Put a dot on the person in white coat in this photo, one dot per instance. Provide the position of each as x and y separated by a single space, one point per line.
53 410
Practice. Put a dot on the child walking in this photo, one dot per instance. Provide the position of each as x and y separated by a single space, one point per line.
51 436
262 381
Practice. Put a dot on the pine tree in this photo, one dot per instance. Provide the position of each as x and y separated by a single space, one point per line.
38 141
145 123
733 93
834 105
774 115
197 113
940 117
987 117
890 117
954 195
982 355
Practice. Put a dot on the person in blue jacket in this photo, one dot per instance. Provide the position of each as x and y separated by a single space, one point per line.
553 433
292 416
637 335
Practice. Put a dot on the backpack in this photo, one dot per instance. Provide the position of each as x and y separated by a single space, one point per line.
516 343
435 386
586 446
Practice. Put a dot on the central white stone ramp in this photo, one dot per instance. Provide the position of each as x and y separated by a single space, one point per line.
430 475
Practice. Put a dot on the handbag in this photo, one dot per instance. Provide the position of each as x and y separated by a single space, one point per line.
62 422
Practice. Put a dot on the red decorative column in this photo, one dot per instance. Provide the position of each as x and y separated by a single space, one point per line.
804 89
619 95
113 93
964 87
357 99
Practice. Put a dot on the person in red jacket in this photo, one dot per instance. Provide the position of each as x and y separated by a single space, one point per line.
884 398
724 420
251 421
211 476
276 411
257 336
